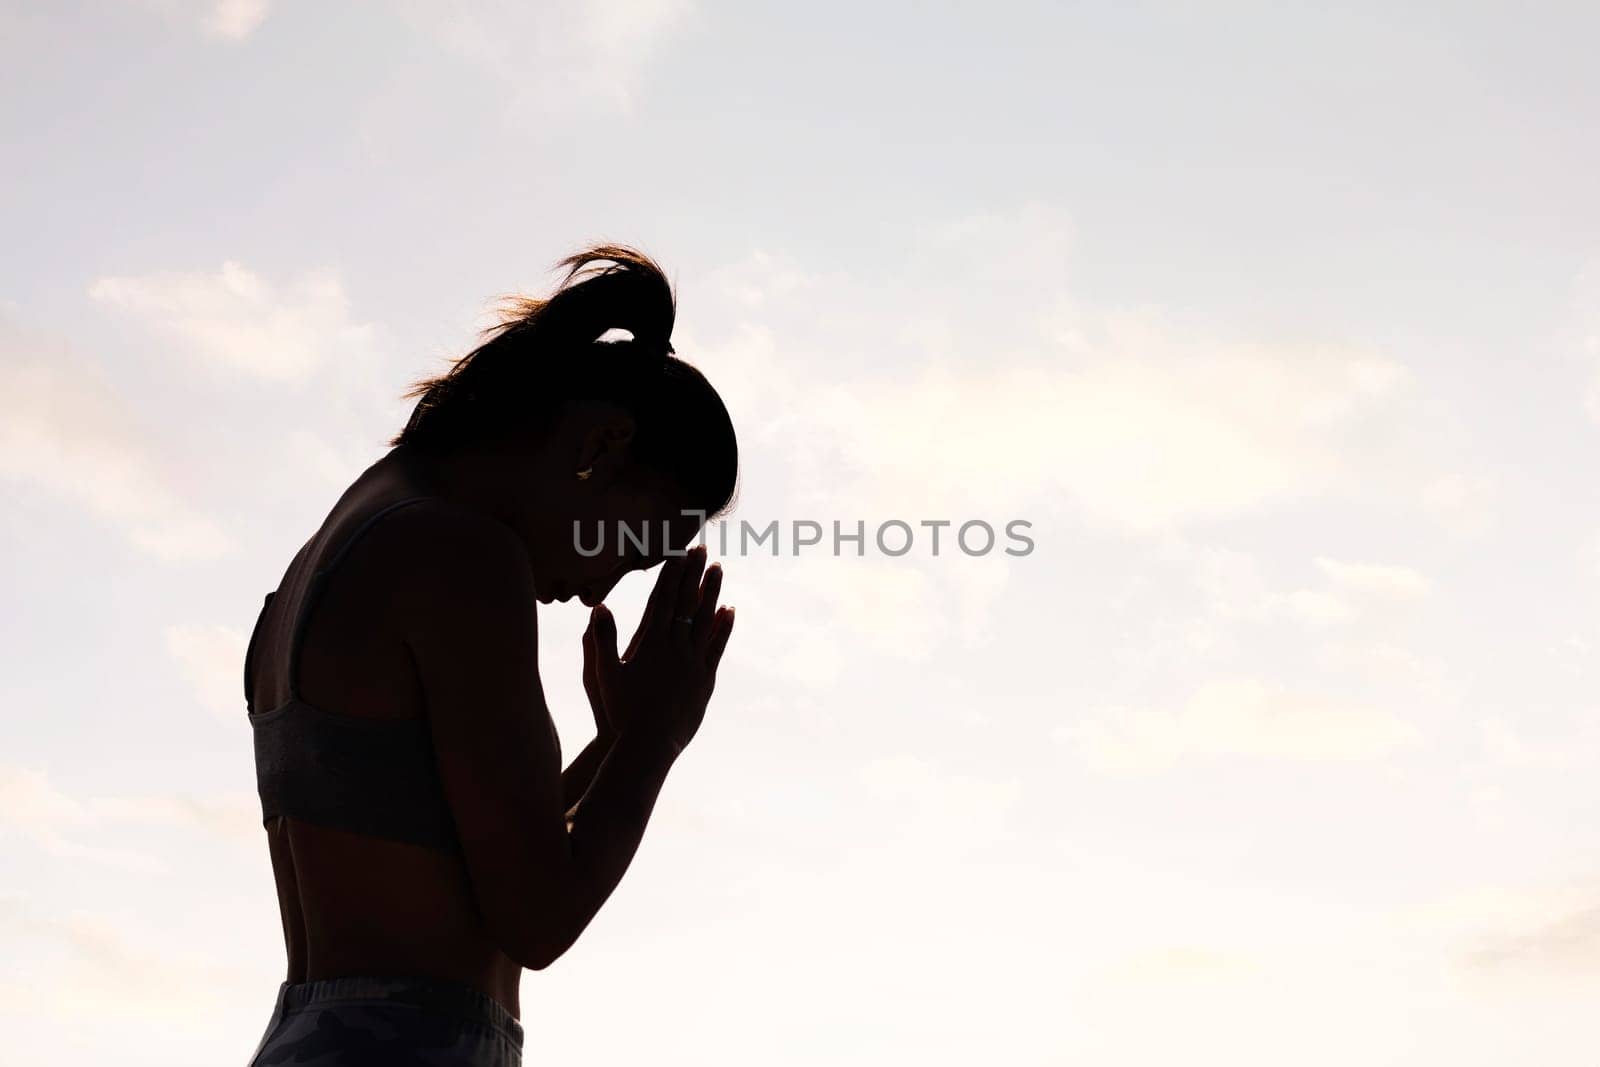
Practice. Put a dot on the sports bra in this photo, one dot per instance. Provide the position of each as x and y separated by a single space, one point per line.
369 776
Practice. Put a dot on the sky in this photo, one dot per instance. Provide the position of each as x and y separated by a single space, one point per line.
1277 324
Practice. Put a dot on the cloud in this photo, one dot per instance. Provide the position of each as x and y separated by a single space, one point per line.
918 798
991 391
1589 556
1462 503
1182 966
211 659
556 54
1130 441
56 821
1235 590
1234 717
1377 580
1391 664
1318 607
994 386
1507 745
1529 929
621 35
1351 591
233 20
889 610
1565 942
226 20
112 966
240 321
67 432
1586 309
761 278
334 464
1197 606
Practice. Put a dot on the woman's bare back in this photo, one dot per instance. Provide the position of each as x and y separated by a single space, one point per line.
353 904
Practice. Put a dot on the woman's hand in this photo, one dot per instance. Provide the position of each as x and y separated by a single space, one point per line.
607 724
662 684
604 726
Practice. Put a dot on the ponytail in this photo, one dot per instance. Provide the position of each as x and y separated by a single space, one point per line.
546 352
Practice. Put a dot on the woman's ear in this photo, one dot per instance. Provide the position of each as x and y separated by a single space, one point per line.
603 453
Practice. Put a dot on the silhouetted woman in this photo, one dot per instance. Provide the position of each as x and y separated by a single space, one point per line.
426 842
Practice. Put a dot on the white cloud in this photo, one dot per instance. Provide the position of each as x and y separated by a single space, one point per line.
760 278
1234 717
916 797
1183 966
1019 254
556 54
233 20
1031 399
239 320
1504 929
1392 665
622 35
1372 579
1508 745
1318 607
1463 503
227 20
58 822
994 394
68 433
1235 590
1589 556
211 658
1132 442
1352 591
891 610
884 607
1230 580
1566 941
331 463
1586 308
789 647
114 967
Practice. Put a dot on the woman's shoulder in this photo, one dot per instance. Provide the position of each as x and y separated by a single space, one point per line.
442 558
436 532
417 528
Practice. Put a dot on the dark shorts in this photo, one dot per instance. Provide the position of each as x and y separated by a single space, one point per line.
392 1022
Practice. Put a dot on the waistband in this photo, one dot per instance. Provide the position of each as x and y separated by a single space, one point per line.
427 994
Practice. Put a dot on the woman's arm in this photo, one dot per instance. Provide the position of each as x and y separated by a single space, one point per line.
578 776
575 780
470 621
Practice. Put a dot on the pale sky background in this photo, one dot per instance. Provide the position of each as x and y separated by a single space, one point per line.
1280 323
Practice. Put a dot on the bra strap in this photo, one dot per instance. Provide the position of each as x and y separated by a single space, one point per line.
314 588
249 653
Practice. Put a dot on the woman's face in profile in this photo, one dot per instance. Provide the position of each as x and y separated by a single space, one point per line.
585 545
590 512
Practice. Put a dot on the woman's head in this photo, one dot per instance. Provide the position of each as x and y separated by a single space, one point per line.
587 431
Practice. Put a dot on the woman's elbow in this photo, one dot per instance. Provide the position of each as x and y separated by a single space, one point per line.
536 956
537 947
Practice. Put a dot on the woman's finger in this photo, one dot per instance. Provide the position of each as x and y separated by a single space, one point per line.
721 630
664 598
639 633
604 626
687 599
591 678
706 613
